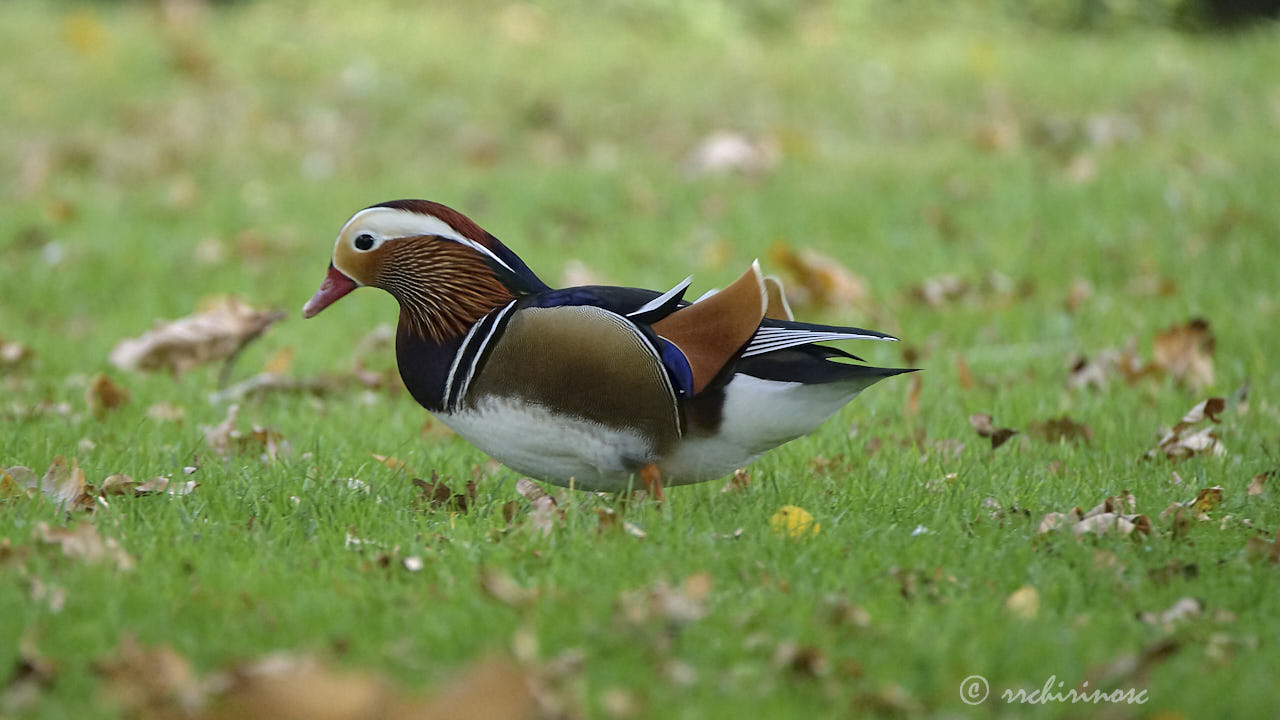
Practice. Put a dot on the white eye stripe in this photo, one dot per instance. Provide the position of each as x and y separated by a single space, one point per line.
385 223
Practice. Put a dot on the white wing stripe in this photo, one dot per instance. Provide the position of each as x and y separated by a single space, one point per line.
663 298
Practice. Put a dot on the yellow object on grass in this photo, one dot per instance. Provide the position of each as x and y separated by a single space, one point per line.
793 522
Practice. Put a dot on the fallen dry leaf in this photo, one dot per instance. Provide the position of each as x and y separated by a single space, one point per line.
390 461
802 660
911 406
32 675
103 395
1023 603
1178 443
740 481
157 682
1061 429
664 602
225 439
437 495
1115 515
215 333
84 543
1258 484
1185 608
62 483
963 376
1262 549
503 588
1186 353
13 353
793 522
939 290
983 423
545 515
817 279
725 151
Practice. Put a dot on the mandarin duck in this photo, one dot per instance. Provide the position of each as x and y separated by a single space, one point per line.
591 387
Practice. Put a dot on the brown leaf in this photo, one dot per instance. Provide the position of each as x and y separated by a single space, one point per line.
1061 429
1080 291
225 439
801 660
911 407
1115 515
503 588
1186 353
662 602
215 333
739 483
940 290
1204 501
84 543
983 423
1265 549
13 353
1258 484
817 279
963 376
545 515
32 675
66 486
1178 442
437 495
104 395
1185 608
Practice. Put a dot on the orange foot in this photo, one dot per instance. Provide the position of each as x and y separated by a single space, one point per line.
652 479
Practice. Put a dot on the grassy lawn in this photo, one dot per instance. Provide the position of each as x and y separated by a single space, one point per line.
1009 197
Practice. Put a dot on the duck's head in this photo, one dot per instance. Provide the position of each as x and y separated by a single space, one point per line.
444 269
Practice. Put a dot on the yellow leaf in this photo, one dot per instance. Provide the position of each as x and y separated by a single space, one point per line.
84 32
794 522
389 460
1024 603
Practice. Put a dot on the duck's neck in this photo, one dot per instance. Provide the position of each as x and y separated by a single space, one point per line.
424 364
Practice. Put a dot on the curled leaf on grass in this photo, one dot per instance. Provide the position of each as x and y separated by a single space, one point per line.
157 681
104 395
1184 609
13 353
1061 429
83 542
1186 353
1116 515
1181 441
726 151
435 494
226 439
986 428
546 514
215 333
679 604
817 279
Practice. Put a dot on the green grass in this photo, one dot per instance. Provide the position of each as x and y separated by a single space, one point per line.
122 152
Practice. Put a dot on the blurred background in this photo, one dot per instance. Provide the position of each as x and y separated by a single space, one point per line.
1043 175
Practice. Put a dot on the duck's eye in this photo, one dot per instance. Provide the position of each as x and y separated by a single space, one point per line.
364 242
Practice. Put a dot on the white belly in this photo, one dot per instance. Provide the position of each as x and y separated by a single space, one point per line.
759 415
531 441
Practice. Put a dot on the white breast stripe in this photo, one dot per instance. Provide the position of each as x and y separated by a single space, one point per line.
453 368
484 343
663 298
